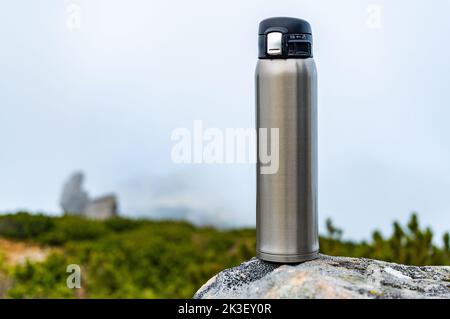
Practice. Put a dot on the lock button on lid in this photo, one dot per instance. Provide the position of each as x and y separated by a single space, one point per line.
285 38
274 43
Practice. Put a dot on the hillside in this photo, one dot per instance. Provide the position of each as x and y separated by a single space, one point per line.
123 258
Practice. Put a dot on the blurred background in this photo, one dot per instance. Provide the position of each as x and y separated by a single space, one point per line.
98 87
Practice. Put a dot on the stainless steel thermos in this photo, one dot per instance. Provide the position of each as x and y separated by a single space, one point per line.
286 99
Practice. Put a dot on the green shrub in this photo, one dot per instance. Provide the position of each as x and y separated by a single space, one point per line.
25 226
41 280
123 258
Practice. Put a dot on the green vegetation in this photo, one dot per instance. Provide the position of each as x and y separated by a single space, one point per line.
408 245
123 258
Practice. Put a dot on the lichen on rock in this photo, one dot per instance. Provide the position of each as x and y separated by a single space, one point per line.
329 277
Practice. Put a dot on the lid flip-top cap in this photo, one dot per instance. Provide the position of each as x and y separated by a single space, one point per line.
284 38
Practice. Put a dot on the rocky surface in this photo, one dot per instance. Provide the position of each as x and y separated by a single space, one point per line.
73 197
329 277
102 208
76 201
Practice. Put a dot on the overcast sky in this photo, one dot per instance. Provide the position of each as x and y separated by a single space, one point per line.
104 98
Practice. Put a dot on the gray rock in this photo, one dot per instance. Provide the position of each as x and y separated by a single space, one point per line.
102 208
76 201
74 198
328 277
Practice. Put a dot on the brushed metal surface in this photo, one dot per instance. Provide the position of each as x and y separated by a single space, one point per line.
286 202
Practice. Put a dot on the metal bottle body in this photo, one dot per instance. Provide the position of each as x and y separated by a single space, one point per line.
286 98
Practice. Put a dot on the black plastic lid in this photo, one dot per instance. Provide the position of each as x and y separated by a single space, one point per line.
284 38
